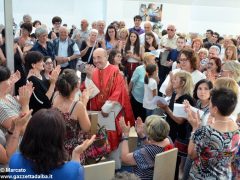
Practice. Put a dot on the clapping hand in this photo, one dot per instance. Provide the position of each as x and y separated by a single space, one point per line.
15 77
81 148
19 124
25 92
193 117
84 98
139 126
55 73
125 128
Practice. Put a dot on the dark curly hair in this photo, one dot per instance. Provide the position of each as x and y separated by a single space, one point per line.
43 141
191 56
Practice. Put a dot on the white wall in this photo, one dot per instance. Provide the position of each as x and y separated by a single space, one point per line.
191 17
188 15
71 11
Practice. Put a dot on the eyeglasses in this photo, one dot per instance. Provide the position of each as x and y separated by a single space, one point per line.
170 29
118 56
210 64
48 63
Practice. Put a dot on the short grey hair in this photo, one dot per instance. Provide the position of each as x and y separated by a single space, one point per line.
216 48
157 128
41 30
27 16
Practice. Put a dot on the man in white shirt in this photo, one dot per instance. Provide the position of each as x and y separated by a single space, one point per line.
168 42
148 28
66 50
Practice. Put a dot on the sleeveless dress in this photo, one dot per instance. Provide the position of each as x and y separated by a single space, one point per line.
74 134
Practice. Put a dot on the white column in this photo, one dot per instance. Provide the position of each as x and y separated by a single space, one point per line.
9 33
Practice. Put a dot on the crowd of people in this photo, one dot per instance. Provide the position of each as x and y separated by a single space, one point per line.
62 75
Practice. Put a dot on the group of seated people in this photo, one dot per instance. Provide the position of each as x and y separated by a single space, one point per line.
139 76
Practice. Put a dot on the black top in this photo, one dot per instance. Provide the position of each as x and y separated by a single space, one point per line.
38 99
45 52
85 57
182 131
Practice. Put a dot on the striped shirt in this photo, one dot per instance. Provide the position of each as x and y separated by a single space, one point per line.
9 108
145 159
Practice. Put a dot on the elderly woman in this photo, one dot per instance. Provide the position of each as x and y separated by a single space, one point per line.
203 59
43 45
156 141
9 143
214 146
231 69
42 94
214 68
42 149
11 107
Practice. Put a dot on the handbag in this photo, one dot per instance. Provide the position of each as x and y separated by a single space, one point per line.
99 148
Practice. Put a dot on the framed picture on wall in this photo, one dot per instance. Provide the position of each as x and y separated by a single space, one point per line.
151 12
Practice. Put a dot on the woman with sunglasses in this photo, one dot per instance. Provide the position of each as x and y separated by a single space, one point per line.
213 69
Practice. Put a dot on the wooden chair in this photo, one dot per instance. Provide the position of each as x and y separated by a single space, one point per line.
103 170
165 164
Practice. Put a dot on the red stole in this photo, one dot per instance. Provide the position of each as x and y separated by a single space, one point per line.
112 87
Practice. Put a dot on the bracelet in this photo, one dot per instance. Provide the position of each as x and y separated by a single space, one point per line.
125 138
192 133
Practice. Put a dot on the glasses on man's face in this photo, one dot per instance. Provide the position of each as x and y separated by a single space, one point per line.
170 29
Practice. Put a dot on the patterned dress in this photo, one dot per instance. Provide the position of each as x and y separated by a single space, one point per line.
74 135
215 151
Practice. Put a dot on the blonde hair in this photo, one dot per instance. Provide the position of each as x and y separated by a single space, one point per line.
147 57
157 128
234 67
203 50
234 56
186 78
226 82
123 30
